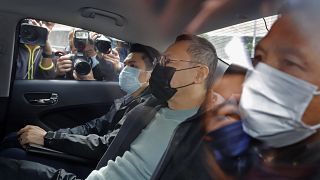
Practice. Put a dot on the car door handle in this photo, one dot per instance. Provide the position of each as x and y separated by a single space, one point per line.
53 99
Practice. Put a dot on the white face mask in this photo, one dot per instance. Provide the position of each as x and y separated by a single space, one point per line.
272 105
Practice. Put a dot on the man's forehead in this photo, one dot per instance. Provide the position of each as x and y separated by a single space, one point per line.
177 49
133 57
288 34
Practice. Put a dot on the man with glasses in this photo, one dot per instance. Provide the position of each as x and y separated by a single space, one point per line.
180 81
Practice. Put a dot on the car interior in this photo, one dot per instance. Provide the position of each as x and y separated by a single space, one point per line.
150 22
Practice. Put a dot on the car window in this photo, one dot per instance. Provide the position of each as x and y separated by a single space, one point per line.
43 46
235 44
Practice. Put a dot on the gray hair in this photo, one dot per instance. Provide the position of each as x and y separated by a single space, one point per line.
203 52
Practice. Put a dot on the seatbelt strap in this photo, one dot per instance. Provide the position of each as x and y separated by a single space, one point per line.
136 121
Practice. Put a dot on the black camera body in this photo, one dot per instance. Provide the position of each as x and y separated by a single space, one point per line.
32 34
103 44
81 63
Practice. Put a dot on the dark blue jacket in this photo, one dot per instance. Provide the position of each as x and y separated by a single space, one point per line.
29 64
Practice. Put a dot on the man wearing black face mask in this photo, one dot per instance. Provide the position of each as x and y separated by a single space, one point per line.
184 70
180 81
188 66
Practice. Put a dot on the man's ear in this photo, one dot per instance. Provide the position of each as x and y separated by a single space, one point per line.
211 98
147 76
202 74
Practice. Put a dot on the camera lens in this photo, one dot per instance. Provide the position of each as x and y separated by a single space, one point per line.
82 67
103 46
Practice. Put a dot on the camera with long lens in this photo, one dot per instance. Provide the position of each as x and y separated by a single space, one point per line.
80 61
32 34
103 44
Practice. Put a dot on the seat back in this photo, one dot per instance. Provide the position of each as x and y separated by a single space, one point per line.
220 69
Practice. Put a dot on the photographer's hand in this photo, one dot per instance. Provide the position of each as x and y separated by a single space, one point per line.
88 77
47 50
93 35
114 58
64 65
48 25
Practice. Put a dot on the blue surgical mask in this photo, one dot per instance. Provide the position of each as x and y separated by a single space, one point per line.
129 79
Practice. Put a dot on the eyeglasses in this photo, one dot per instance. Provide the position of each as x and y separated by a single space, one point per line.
164 60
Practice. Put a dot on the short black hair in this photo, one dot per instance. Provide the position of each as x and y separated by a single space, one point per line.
150 54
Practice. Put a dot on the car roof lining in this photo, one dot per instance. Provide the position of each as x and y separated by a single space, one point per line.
142 23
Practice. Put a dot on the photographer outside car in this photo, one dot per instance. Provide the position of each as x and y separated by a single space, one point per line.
93 59
35 54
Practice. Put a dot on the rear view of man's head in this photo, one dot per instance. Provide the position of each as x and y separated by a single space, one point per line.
184 72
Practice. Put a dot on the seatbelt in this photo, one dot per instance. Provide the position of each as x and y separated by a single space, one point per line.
136 120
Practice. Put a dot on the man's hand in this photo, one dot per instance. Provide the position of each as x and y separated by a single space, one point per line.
83 77
46 62
220 112
64 65
48 25
31 135
114 58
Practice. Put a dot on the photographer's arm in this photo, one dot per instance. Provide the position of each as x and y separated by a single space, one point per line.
46 65
46 62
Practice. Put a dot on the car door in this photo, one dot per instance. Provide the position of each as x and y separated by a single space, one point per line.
54 104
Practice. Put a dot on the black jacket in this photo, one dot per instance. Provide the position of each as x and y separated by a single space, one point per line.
29 64
180 146
133 123
92 139
185 155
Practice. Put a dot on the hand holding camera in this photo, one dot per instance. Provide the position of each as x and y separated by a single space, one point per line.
103 45
64 65
77 62
114 58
